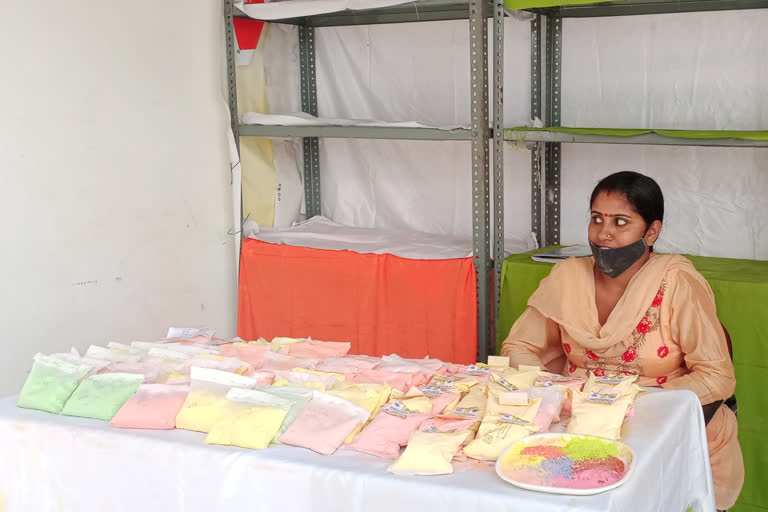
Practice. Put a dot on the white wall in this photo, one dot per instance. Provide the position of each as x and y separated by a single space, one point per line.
115 195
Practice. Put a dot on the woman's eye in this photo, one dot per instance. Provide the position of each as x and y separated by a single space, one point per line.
597 220
621 222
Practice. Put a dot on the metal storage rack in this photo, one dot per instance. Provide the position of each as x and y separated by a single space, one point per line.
546 157
477 12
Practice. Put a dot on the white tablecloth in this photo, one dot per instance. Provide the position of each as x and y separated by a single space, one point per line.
62 464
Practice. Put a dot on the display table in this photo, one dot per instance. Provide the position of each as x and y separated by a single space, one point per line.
741 292
59 464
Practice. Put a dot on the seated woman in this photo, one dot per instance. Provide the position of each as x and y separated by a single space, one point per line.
629 310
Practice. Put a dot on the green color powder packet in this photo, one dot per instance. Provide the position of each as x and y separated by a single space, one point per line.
101 396
50 383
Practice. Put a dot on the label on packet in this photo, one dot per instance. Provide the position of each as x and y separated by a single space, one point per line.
509 418
398 409
467 412
602 398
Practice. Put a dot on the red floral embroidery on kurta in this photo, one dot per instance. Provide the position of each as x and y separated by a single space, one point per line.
572 368
657 300
629 355
644 326
599 372
661 380
592 355
567 348
663 352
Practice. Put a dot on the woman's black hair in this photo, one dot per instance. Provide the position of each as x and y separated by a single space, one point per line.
642 192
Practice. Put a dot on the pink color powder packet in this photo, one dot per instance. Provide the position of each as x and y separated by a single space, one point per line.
387 433
324 423
154 406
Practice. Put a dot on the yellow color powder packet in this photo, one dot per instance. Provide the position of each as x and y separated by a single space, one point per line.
522 378
472 406
492 443
620 384
598 414
339 377
251 419
429 453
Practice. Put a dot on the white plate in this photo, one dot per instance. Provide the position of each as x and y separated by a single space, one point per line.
626 454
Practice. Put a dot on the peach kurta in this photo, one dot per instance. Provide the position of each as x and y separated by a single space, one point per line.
664 328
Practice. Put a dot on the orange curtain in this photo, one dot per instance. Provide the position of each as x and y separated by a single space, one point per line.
381 303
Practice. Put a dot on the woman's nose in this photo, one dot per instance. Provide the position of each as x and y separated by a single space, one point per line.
606 231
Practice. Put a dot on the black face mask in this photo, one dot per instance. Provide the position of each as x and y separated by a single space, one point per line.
614 262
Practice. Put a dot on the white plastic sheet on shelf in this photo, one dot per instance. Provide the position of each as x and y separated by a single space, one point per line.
322 233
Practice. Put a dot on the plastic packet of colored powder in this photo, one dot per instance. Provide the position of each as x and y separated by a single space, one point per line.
120 348
472 406
252 420
217 362
106 354
306 379
523 377
150 368
252 353
299 398
598 414
324 423
101 396
192 350
551 379
552 399
206 400
50 383
445 425
492 443
395 363
621 384
429 453
154 406
73 356
275 361
397 381
390 429
383 391
280 343
314 349
368 399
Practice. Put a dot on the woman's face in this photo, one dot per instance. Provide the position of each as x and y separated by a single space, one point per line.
614 223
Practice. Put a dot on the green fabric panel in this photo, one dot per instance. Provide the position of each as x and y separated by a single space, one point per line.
753 413
520 276
533 4
686 134
741 293
742 507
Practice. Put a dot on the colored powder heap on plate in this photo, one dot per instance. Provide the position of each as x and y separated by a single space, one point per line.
610 463
592 478
548 452
581 449
561 467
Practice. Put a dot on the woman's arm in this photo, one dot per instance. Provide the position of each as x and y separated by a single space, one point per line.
695 326
534 340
